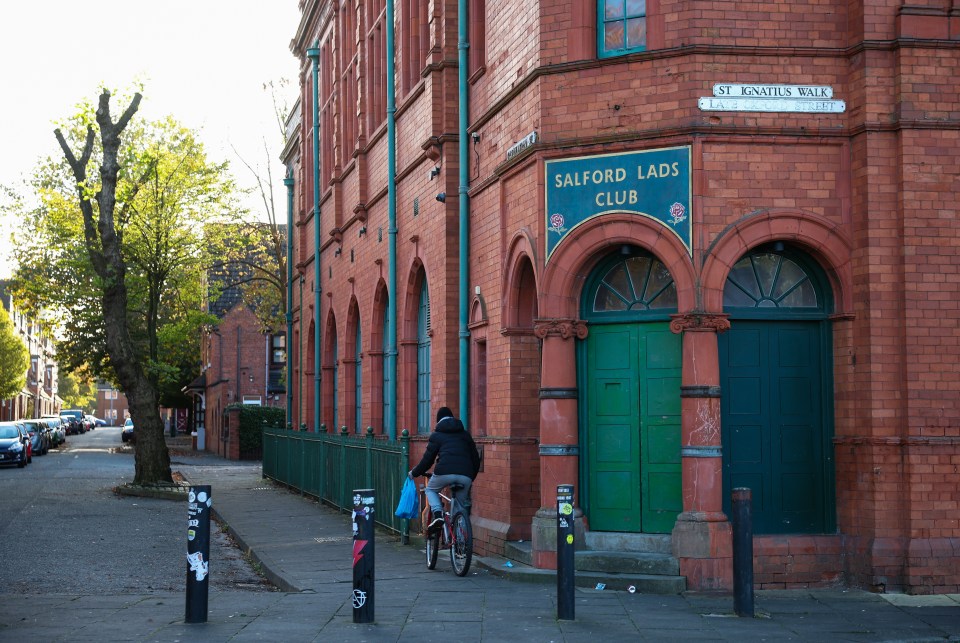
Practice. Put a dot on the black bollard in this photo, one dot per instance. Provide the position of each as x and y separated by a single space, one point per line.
565 550
363 555
742 553
198 553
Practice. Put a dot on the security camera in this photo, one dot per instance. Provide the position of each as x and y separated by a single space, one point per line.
476 137
434 172
441 197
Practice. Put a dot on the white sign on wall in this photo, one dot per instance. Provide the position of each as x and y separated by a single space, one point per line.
739 97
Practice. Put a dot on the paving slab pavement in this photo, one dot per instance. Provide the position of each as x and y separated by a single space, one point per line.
306 550
306 547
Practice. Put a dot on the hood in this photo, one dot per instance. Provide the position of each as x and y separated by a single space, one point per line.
450 425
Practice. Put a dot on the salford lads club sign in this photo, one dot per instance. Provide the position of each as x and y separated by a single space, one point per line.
652 183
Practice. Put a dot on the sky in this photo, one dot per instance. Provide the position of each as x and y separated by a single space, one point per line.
202 61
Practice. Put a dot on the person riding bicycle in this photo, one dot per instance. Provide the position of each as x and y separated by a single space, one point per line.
458 462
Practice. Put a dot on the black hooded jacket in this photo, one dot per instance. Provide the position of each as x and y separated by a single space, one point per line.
453 449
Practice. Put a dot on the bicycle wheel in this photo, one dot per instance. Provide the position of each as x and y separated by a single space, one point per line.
461 552
433 548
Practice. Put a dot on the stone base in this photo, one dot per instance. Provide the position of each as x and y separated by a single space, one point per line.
703 543
544 539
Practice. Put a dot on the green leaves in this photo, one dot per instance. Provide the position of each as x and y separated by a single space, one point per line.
14 358
167 192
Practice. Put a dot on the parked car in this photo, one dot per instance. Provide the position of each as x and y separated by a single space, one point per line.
14 444
58 431
126 435
73 425
39 434
76 418
97 421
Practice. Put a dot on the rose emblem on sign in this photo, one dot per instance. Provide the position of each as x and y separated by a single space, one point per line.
678 213
556 222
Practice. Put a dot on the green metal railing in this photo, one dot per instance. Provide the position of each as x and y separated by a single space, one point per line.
330 466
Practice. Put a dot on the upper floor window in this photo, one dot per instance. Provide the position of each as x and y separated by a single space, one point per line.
623 26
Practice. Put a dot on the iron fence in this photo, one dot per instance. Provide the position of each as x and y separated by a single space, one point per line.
329 466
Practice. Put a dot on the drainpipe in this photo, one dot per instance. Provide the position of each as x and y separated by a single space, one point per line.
314 54
391 356
463 46
296 424
288 181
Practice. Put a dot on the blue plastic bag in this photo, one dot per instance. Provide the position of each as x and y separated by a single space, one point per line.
408 507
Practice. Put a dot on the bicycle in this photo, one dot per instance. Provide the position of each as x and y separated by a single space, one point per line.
456 533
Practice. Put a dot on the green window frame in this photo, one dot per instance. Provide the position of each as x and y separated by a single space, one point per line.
621 27
423 361
782 279
629 285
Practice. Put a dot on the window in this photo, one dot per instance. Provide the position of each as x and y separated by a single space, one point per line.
414 37
477 54
358 383
622 27
769 280
385 346
639 283
376 56
348 79
278 352
423 361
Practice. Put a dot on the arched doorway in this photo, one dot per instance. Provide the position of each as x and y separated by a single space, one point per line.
776 383
629 382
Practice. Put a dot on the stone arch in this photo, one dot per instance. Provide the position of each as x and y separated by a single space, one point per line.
571 263
819 237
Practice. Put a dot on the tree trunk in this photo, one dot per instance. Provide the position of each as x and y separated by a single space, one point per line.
152 459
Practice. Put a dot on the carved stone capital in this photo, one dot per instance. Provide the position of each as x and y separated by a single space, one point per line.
699 322
563 328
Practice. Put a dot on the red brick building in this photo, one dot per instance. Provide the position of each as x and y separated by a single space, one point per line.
241 366
710 246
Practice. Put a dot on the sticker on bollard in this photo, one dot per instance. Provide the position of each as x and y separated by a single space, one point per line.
198 553
363 555
565 550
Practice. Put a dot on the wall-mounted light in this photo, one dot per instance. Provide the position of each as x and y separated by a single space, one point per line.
362 231
336 253
434 172
475 136
442 197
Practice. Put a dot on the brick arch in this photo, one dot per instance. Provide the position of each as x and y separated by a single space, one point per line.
377 361
521 256
821 238
574 258
408 295
349 361
328 388
408 304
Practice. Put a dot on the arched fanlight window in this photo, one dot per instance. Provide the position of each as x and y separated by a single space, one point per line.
635 283
777 282
769 280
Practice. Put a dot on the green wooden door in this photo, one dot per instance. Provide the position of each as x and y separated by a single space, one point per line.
633 427
771 414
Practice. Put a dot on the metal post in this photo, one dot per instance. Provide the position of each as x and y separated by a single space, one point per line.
565 549
198 553
363 555
742 552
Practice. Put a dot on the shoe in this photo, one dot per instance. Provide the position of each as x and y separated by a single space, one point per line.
437 521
